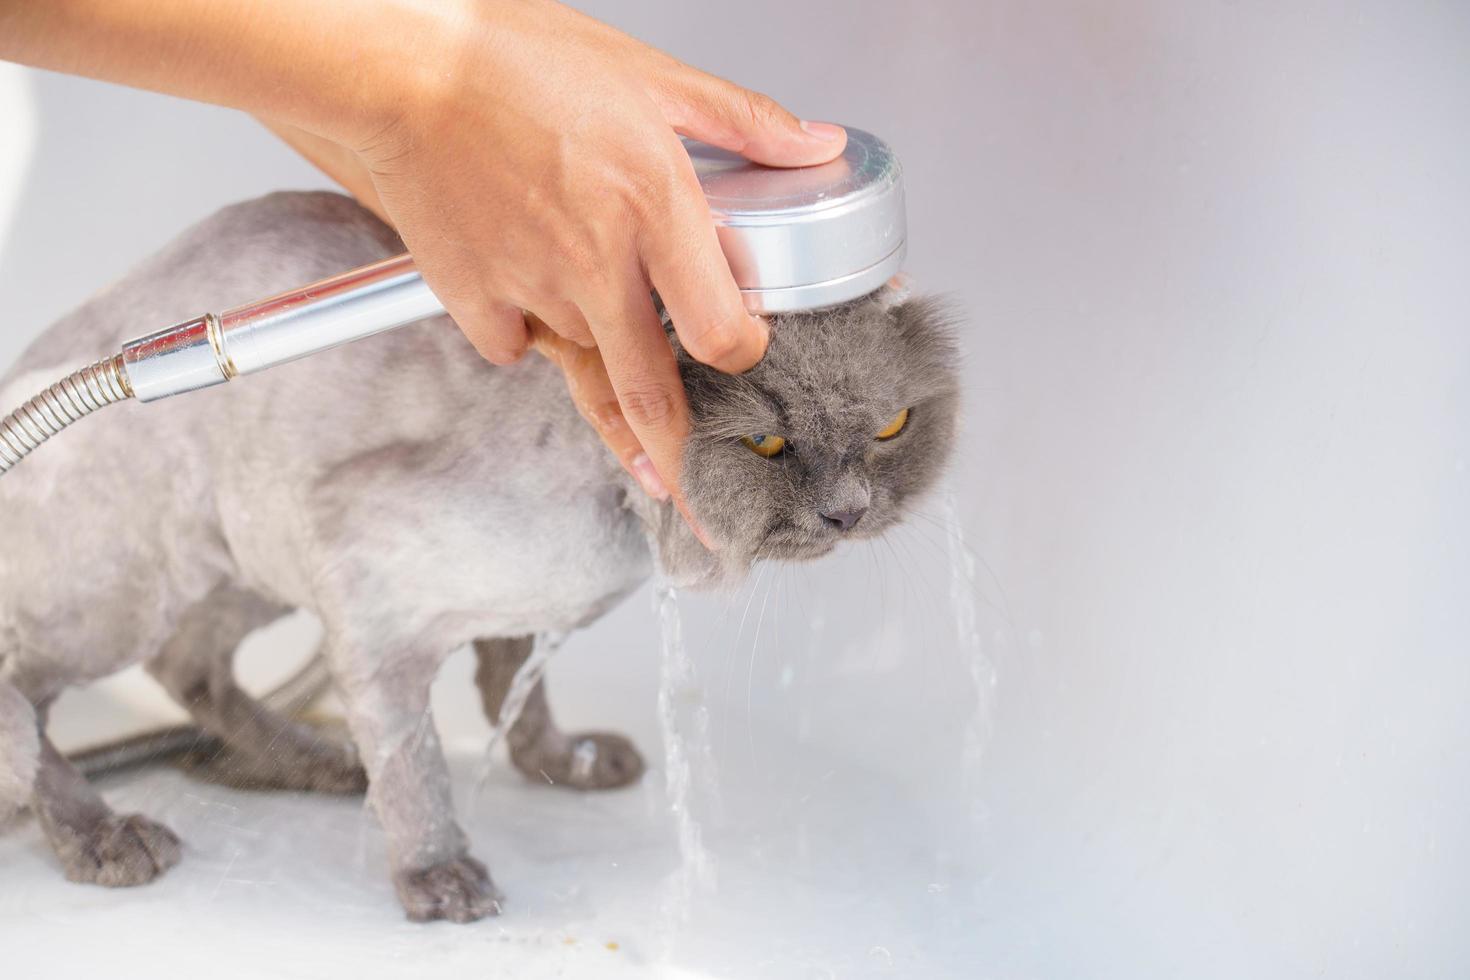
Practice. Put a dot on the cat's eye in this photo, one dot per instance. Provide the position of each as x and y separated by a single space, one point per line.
766 446
895 427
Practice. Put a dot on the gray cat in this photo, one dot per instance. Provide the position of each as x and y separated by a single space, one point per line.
415 499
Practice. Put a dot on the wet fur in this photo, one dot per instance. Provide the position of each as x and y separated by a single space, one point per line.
415 499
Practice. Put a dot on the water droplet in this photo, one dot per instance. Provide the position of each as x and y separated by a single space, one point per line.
584 757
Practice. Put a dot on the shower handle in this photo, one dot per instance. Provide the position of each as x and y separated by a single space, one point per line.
213 348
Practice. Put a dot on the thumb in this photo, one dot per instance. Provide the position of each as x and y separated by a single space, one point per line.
756 126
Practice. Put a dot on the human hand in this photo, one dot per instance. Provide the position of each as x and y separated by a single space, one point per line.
531 163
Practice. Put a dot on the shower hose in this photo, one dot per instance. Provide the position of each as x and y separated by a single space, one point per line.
69 400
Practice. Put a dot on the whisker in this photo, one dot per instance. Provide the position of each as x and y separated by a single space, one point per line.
729 666
955 533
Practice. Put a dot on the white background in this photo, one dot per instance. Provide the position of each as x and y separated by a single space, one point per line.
1213 263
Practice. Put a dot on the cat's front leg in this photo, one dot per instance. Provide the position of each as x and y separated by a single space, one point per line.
538 748
386 695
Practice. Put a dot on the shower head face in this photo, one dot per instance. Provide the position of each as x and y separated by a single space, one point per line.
807 237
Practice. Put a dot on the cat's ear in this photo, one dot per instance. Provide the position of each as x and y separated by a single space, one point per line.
895 292
927 323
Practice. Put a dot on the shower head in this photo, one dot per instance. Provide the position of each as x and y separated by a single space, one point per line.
795 239
807 237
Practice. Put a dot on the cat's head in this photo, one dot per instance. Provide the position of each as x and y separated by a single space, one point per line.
848 418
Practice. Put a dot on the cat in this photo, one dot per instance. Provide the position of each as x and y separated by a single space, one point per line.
415 498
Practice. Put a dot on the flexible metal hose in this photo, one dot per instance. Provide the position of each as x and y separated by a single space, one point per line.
71 399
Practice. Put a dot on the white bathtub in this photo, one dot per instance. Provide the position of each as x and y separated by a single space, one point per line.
1215 475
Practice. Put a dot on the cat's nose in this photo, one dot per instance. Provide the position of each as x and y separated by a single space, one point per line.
843 519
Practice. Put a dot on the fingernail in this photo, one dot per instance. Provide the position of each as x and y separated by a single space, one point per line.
823 131
648 477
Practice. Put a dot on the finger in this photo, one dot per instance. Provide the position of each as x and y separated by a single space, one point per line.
565 320
592 392
756 126
642 371
497 330
687 267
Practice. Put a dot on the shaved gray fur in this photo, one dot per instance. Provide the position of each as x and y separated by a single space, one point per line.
415 498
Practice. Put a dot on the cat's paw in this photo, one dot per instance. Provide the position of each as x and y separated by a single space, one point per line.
459 890
587 760
119 852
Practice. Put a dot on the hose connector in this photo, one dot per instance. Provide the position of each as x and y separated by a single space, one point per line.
185 357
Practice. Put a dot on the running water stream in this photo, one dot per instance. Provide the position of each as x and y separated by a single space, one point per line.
684 723
683 750
978 665
527 675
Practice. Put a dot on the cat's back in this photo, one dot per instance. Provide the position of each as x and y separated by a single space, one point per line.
118 512
130 464
402 450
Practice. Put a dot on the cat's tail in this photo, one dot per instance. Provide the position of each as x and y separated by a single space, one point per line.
20 750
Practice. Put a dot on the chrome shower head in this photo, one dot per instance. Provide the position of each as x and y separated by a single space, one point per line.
807 237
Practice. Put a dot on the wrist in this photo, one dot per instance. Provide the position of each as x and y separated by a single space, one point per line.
394 64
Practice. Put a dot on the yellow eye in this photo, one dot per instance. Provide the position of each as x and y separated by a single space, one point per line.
895 427
766 446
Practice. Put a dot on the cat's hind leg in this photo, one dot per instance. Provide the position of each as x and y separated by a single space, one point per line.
540 750
252 747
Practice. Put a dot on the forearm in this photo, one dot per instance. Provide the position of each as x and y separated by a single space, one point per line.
321 65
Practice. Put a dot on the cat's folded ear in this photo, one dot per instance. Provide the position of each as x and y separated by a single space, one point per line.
916 316
895 291
929 325
920 316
